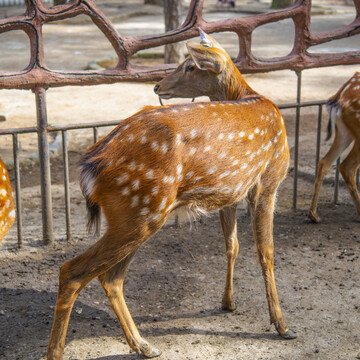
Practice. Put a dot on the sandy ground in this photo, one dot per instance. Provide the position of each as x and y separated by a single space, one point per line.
175 283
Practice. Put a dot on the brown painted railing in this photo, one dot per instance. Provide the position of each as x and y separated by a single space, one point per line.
38 77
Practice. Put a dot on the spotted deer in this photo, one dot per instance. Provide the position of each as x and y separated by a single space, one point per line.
344 109
7 211
195 158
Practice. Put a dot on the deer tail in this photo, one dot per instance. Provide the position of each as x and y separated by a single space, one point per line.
334 109
88 175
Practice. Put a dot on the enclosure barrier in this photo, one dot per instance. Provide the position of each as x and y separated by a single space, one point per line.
38 77
63 129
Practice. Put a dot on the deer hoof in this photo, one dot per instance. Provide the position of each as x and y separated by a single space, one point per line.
148 350
228 306
288 335
314 217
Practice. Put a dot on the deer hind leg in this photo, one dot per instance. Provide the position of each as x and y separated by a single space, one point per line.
228 223
348 170
261 203
112 282
77 272
340 143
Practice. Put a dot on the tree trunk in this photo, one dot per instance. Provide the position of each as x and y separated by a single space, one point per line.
174 53
281 4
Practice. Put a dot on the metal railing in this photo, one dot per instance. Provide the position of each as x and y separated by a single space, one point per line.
38 77
64 129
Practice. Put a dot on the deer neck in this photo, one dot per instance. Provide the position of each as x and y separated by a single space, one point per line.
232 86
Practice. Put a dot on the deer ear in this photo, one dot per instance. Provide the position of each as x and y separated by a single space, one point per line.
205 57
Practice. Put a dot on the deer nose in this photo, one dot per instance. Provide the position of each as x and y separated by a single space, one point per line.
156 88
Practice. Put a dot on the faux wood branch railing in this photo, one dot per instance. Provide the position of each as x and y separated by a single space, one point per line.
37 74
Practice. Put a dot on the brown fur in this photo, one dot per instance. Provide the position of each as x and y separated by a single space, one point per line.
344 109
199 157
7 212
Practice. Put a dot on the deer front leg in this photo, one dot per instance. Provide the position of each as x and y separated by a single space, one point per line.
228 223
348 171
112 282
341 142
262 209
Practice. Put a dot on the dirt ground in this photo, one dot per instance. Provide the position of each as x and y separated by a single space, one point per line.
175 283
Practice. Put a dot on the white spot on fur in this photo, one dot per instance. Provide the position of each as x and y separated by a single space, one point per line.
256 131
230 136
192 151
155 190
244 166
163 203
235 162
135 184
234 172
122 178
146 199
222 155
207 148
131 137
226 173
134 201
154 145
164 148
149 174
178 139
12 213
156 217
241 134
212 170
125 191
221 136
189 175
144 211
7 203
193 133
143 139
3 192
132 165
251 136
4 177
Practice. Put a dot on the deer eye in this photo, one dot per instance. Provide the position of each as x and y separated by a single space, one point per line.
190 68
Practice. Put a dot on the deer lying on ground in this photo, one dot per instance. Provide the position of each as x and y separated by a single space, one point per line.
196 158
7 211
344 109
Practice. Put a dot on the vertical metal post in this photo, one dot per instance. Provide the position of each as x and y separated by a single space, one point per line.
336 187
318 139
297 127
66 184
17 189
44 161
95 130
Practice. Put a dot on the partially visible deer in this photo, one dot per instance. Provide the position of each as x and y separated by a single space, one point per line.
7 211
344 109
197 158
